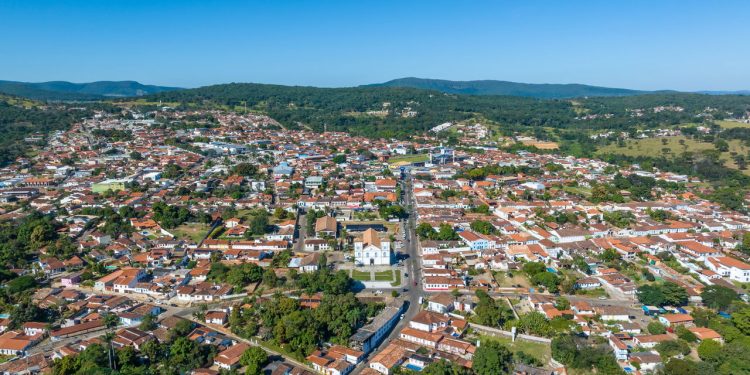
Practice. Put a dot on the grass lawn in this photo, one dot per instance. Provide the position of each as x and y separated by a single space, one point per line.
384 276
518 278
597 292
397 282
415 158
271 345
586 192
193 231
539 351
361 276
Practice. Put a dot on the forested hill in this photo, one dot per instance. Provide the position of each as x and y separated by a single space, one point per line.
493 87
61 90
401 112
20 118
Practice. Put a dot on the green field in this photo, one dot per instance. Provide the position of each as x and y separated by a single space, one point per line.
193 231
539 351
586 192
416 158
397 282
674 146
384 276
732 124
361 276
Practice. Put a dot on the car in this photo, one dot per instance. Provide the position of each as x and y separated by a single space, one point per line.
602 297
406 274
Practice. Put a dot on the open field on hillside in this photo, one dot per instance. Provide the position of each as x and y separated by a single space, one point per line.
732 124
674 146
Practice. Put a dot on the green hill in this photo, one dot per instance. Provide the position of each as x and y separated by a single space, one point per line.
403 112
62 90
492 87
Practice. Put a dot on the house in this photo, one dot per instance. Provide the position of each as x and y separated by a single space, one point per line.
703 333
131 337
326 226
35 328
371 250
229 359
13 343
647 361
233 222
70 280
475 241
457 347
620 348
650 341
327 365
588 283
429 321
671 320
613 313
217 317
729 267
437 283
440 303
426 339
313 182
388 359
317 244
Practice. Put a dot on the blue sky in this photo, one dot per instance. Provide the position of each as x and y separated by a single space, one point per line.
684 45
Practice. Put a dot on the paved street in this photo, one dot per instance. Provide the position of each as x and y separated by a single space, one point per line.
412 264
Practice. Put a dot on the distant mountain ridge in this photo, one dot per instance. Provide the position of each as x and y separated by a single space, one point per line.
493 87
63 90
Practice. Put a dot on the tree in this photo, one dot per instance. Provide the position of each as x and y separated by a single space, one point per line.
672 348
709 350
147 323
245 169
255 359
718 297
677 366
111 320
562 304
533 268
270 278
443 367
656 328
534 323
547 279
492 358
483 227
126 357
741 320
667 293
425 231
564 349
488 312
674 294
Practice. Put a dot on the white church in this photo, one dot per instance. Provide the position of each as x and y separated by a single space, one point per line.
372 251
